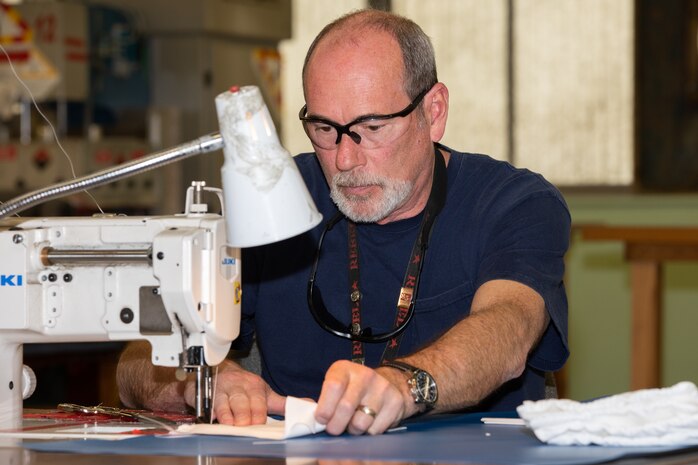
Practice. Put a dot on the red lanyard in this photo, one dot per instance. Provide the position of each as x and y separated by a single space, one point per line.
410 283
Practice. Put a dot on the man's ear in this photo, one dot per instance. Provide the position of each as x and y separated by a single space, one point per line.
437 111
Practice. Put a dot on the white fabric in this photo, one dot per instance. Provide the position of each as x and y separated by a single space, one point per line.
648 417
299 420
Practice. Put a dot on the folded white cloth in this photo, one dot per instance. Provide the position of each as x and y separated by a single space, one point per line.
647 417
299 420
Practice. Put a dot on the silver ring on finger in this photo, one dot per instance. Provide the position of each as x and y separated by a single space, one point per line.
367 410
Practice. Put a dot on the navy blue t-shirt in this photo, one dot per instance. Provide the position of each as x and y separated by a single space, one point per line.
499 222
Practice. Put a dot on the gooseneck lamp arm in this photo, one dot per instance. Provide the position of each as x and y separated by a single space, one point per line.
204 144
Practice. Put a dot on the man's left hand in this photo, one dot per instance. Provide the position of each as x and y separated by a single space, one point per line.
358 399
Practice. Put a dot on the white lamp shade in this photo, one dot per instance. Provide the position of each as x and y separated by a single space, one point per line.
265 197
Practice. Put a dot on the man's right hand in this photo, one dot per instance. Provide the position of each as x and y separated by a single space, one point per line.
240 397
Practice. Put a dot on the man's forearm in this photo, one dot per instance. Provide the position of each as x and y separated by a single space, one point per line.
483 351
143 385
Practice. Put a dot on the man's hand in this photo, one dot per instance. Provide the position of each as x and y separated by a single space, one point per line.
348 386
240 397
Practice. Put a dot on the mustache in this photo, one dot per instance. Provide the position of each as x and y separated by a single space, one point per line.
349 179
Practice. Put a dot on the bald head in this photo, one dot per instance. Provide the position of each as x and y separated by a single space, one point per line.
418 67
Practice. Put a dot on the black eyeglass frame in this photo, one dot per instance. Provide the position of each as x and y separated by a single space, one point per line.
331 324
344 128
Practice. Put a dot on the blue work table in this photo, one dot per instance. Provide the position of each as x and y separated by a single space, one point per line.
443 439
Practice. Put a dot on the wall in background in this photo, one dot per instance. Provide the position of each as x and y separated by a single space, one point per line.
598 286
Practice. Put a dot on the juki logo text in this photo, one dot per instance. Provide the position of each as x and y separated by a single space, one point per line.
10 279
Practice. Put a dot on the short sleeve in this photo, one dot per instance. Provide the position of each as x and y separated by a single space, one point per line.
527 243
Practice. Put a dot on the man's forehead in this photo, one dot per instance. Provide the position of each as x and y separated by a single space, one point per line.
355 62
353 32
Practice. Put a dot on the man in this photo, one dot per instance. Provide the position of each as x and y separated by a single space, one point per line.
484 317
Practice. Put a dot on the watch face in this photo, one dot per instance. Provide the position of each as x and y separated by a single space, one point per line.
425 387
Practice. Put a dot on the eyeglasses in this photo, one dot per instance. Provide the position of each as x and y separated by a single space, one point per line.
372 131
331 324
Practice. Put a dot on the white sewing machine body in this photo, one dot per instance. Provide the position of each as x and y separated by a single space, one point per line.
170 280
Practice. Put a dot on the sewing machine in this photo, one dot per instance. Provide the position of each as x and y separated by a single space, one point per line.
171 280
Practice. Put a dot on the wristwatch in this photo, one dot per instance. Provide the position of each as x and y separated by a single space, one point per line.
422 385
